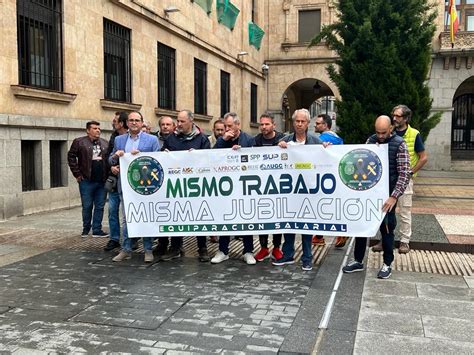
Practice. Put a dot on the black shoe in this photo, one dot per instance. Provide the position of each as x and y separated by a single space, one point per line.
160 251
100 234
171 254
111 245
203 255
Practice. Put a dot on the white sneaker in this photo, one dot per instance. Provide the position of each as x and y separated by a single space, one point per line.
249 259
219 257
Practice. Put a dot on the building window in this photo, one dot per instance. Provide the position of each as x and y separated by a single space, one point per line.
309 25
465 10
225 93
200 87
253 103
30 169
254 10
117 63
40 43
57 163
166 77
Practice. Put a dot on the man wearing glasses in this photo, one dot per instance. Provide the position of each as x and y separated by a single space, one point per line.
134 142
401 117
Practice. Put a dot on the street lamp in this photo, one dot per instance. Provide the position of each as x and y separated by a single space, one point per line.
317 88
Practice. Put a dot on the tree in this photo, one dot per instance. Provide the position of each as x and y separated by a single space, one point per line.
383 49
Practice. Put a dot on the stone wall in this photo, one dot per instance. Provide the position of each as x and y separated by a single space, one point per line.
40 115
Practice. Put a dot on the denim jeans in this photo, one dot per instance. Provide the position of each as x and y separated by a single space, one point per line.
387 229
92 198
224 241
114 215
128 242
289 247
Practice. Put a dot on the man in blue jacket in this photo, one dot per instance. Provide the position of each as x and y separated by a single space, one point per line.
323 125
134 142
234 138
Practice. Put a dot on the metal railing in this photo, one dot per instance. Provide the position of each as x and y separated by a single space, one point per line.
40 58
117 62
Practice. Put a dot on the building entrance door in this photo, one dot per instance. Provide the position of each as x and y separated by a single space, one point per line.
462 136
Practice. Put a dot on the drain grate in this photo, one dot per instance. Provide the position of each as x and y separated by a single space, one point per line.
190 247
429 261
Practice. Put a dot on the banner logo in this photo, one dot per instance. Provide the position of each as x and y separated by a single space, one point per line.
360 169
145 175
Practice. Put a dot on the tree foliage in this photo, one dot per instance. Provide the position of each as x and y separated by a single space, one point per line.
383 49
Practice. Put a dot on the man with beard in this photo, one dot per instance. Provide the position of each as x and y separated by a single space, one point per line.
234 138
267 137
399 176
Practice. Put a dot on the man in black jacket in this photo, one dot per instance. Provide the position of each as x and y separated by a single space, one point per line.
187 136
87 159
119 123
234 138
268 137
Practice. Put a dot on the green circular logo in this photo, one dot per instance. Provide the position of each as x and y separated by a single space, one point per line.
360 169
145 175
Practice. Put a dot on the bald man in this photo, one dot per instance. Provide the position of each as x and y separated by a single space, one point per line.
399 176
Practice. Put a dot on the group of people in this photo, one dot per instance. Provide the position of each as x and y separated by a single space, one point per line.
94 162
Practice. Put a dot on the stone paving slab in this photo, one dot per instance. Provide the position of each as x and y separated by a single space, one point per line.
443 292
469 281
382 343
434 316
70 301
374 320
448 328
459 225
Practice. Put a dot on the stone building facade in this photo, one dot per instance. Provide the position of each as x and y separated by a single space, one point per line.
64 63
451 81
297 75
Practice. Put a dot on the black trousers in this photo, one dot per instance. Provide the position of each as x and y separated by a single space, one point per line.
387 229
264 240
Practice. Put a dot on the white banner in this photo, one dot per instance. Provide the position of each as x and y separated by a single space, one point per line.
308 189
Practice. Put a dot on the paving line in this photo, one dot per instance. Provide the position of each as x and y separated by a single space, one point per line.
323 324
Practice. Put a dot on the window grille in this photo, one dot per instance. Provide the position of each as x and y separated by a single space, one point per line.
225 93
253 103
56 163
462 137
200 87
40 60
117 62
28 166
166 77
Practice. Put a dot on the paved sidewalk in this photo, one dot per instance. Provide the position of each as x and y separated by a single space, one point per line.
416 313
62 294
